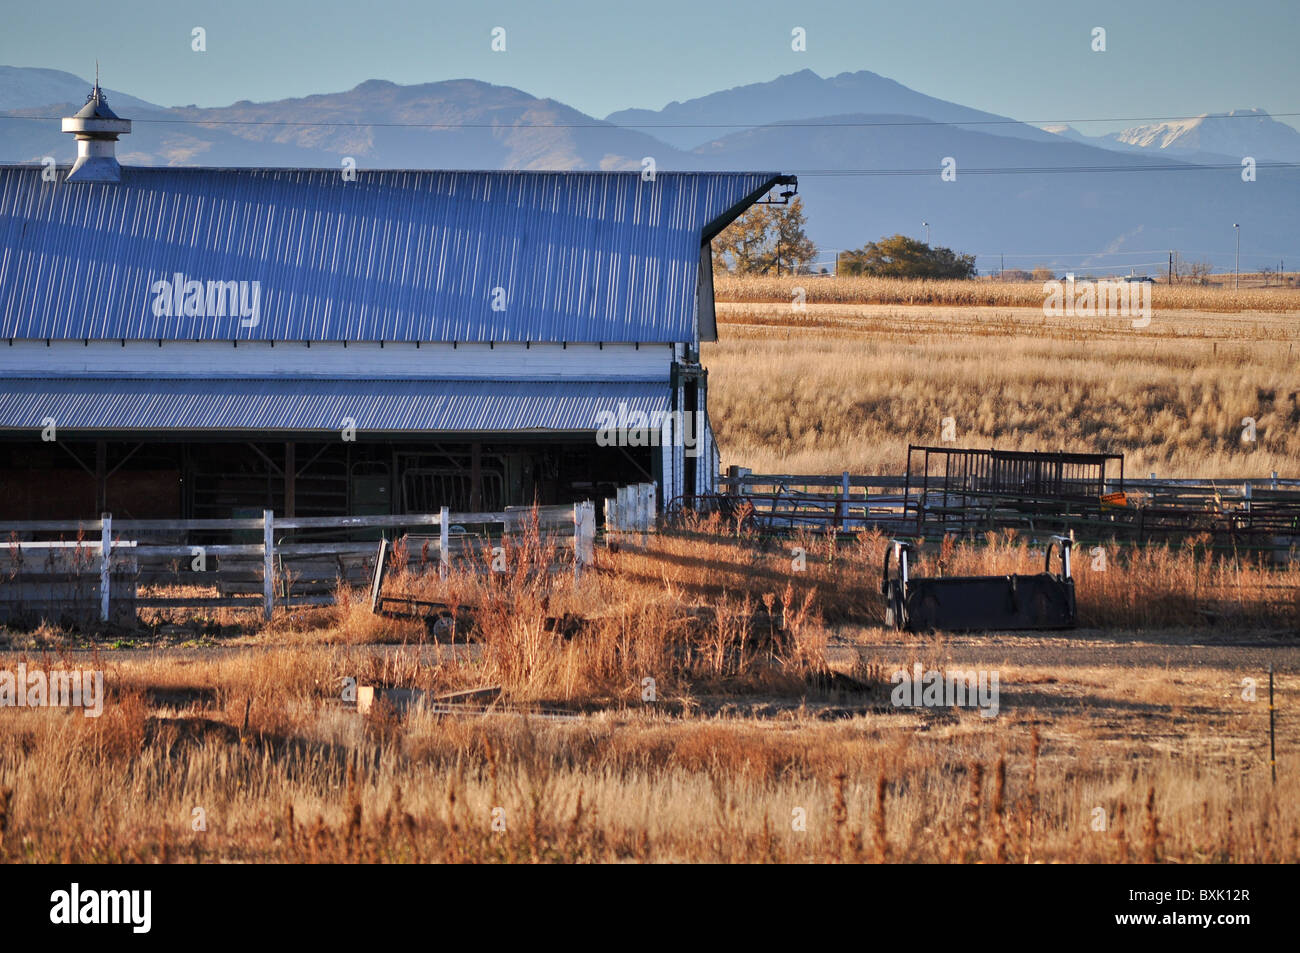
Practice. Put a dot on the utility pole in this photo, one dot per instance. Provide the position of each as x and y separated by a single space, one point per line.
1236 264
1002 272
1171 268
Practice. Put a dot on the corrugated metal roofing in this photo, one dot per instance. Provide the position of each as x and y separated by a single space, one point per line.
395 256
290 405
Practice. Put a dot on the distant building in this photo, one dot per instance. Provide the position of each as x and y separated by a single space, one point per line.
209 342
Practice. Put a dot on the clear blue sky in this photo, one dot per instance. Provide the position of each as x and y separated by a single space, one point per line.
1030 60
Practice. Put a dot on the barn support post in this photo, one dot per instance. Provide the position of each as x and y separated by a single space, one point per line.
475 476
444 551
101 476
105 558
268 563
290 480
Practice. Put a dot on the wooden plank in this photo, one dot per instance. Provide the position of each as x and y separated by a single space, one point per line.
195 602
255 550
377 580
63 544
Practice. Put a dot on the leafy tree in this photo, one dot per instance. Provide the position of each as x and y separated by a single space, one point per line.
765 240
903 257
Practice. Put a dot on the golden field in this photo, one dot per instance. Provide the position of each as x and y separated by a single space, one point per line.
772 736
1218 297
848 386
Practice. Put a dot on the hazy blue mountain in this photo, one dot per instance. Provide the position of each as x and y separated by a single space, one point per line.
809 97
368 123
1053 215
23 87
1035 218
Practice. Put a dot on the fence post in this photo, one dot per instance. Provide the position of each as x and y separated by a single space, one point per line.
623 508
644 502
584 536
444 550
844 492
268 563
611 517
105 558
1275 479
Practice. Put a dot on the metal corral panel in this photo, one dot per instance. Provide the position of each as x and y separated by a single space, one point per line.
405 406
391 256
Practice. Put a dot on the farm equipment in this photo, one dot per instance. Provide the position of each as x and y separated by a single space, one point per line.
917 604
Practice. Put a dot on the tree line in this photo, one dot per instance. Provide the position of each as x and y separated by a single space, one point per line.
771 239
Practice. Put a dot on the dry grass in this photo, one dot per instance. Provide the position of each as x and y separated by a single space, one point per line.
848 387
986 293
744 737
312 784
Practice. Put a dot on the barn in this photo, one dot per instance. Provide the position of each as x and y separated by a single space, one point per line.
201 342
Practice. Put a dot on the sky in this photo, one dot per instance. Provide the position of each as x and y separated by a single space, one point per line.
1029 60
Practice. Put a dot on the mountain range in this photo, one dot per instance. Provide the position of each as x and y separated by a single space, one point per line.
868 151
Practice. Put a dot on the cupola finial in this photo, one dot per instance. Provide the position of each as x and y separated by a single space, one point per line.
96 128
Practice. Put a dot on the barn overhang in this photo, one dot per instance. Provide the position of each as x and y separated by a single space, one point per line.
298 409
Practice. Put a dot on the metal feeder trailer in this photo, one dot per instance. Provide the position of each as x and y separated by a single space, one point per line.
955 603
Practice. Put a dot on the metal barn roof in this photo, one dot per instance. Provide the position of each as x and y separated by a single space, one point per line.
396 256
302 406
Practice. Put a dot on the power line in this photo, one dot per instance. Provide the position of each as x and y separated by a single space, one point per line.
1109 254
601 124
1047 170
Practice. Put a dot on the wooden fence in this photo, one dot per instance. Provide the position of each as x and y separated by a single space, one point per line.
101 572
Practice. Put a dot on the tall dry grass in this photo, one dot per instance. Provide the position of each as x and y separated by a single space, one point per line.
984 293
330 787
259 739
849 387
542 636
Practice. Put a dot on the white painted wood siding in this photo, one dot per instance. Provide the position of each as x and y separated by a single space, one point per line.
209 359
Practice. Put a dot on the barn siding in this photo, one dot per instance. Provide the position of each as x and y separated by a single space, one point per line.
209 359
